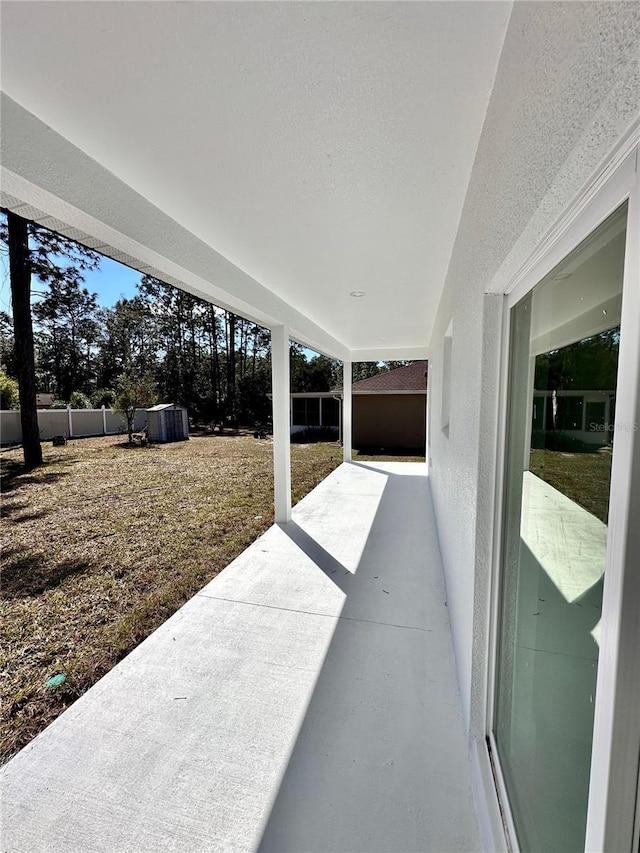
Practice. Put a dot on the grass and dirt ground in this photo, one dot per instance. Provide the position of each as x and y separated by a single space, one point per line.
582 477
106 541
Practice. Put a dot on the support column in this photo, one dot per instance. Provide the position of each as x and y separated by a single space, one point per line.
346 411
281 423
427 416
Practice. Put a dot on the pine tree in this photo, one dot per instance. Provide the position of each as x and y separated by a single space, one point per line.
36 252
20 274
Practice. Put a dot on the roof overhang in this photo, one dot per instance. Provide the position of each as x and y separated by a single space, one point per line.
287 156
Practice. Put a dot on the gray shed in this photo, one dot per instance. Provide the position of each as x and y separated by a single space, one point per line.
167 422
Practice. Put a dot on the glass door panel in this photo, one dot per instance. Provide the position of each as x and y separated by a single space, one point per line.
562 379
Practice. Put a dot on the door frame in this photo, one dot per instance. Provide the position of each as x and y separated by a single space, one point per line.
613 796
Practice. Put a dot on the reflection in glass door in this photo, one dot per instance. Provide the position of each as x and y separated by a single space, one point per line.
561 413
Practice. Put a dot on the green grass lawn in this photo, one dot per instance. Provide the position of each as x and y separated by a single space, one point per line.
105 542
582 477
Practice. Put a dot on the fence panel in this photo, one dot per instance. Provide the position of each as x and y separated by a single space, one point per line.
52 422
10 427
85 423
116 422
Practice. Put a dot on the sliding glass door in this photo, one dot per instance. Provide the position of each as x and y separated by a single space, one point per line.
563 368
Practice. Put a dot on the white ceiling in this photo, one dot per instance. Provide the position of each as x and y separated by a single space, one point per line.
321 147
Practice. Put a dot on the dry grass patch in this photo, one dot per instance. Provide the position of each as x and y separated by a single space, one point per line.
582 477
105 542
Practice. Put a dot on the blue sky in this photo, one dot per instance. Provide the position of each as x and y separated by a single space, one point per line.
111 281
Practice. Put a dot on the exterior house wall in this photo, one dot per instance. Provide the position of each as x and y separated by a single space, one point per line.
389 420
44 400
323 419
549 127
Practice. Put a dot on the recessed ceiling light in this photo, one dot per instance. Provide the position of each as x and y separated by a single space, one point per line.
357 293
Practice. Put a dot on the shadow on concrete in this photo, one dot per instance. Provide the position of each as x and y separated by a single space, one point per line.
380 761
368 466
325 561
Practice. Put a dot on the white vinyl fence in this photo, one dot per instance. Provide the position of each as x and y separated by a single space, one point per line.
73 423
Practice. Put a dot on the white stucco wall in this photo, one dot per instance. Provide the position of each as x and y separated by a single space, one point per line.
567 90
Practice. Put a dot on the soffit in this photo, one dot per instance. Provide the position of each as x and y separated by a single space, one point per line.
322 148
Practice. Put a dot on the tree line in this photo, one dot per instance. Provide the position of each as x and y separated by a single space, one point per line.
181 348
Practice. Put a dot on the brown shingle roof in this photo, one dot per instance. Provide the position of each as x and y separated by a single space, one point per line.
409 378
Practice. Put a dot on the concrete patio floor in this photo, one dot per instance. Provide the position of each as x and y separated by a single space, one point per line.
304 700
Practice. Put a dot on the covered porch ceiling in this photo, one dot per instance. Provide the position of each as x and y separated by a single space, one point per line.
276 157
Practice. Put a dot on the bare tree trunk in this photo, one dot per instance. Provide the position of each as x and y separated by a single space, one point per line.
253 360
178 394
244 338
231 369
215 364
20 274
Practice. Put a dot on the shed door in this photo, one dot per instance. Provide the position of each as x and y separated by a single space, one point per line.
173 423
